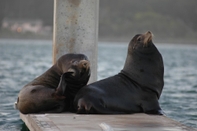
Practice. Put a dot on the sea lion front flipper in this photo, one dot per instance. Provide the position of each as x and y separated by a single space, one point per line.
60 90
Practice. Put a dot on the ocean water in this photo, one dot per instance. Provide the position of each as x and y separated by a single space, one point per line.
23 60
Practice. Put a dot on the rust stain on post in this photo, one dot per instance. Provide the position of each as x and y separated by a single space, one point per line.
75 2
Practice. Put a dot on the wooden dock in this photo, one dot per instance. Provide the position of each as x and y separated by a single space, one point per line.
76 122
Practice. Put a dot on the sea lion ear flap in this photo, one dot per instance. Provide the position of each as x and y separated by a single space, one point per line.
62 85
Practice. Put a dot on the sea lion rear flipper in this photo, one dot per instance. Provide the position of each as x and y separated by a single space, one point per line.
156 112
62 84
152 107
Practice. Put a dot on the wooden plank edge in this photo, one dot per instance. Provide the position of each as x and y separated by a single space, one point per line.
38 122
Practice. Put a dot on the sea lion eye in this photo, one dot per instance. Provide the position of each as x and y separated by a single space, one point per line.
74 62
139 39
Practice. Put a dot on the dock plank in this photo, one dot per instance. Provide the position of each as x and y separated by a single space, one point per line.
76 122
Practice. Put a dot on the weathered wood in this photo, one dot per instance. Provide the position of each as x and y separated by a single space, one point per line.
75 122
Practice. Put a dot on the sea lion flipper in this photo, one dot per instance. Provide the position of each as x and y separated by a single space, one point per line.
152 107
156 112
62 84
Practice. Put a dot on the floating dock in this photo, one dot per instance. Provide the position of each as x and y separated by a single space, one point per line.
78 122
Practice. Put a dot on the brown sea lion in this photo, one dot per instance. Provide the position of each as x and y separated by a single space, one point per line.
136 89
55 89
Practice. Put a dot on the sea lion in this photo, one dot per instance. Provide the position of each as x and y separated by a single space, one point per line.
136 89
54 90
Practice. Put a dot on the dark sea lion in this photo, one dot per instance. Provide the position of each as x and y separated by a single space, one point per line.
54 90
136 89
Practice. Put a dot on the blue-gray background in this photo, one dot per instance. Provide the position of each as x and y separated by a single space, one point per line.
23 60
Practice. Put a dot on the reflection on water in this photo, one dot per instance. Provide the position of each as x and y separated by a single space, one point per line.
21 61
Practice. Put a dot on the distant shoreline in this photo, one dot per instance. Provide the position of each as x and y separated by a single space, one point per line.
100 39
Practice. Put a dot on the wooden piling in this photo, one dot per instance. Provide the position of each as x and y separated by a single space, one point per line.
76 30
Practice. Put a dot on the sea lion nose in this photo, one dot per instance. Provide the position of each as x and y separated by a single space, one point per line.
148 32
84 64
147 38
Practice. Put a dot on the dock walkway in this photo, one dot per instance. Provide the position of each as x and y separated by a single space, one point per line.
76 122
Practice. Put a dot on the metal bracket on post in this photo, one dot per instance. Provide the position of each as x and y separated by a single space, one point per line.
76 30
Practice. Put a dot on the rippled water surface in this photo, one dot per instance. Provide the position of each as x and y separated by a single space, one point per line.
23 60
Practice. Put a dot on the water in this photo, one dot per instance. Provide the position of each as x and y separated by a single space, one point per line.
23 60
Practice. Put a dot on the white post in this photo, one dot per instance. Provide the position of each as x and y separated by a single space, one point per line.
76 30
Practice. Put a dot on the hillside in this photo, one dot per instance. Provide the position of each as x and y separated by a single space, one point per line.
168 21
119 20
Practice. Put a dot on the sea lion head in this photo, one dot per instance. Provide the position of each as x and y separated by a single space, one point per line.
144 63
78 70
141 42
77 65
